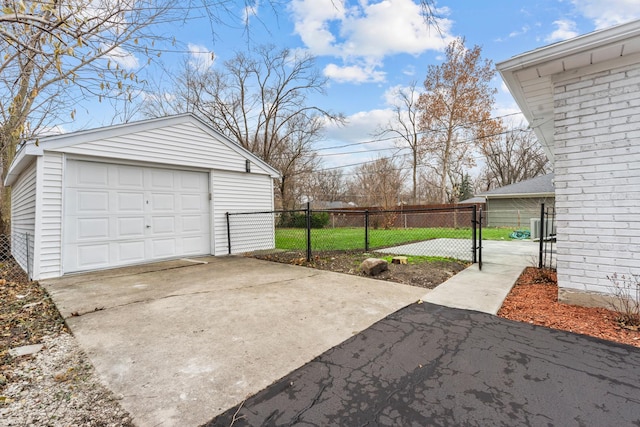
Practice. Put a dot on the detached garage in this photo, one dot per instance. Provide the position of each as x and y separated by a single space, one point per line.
129 194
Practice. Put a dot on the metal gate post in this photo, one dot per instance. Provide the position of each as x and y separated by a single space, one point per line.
28 264
473 232
366 230
480 242
542 218
228 234
308 212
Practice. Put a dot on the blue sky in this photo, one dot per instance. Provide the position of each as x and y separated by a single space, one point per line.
369 47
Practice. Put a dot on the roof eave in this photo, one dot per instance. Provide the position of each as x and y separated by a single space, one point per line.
518 195
22 159
570 47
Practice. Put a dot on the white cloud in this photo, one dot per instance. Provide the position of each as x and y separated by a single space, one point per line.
392 95
360 127
126 60
608 13
354 73
200 58
366 32
565 29
250 10
409 70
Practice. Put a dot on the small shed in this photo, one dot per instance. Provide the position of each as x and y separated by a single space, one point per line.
131 194
514 205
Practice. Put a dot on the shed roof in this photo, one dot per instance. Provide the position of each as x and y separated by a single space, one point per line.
37 147
529 75
534 187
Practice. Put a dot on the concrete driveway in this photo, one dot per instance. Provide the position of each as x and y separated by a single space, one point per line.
182 341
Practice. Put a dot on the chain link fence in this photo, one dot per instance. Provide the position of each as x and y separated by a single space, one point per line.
447 232
16 257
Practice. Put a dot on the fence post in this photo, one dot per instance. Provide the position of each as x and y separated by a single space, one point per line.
26 235
475 229
228 233
480 242
308 215
541 235
366 230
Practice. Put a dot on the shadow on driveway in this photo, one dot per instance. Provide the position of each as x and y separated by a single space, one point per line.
432 365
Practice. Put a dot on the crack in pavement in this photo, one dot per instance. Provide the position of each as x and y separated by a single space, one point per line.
433 365
185 294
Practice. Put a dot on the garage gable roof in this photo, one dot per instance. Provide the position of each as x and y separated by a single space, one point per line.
111 141
540 186
529 76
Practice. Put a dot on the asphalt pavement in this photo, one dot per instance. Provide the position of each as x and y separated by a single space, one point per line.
430 365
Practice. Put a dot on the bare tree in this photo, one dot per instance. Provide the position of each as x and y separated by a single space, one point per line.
260 100
404 127
55 53
48 46
379 183
323 186
455 112
515 156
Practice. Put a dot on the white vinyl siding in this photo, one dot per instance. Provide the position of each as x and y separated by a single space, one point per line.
183 144
50 259
514 212
179 146
23 217
243 192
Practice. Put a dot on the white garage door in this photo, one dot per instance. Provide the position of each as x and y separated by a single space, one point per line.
119 214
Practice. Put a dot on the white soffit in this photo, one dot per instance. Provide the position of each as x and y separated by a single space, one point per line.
529 75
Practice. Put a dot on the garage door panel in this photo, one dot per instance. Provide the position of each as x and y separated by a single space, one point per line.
192 245
163 248
193 224
163 225
193 181
130 252
163 202
93 175
92 228
130 227
192 202
130 202
124 214
91 201
93 256
161 179
130 177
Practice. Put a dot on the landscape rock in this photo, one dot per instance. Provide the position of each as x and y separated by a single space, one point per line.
374 266
25 350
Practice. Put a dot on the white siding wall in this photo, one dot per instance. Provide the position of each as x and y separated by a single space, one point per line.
242 192
597 177
23 217
179 145
51 226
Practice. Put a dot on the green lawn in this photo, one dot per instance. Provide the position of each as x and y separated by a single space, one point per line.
353 238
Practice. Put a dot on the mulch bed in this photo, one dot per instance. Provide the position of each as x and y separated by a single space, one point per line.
534 299
424 274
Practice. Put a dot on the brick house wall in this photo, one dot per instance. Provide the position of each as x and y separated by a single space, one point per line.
597 174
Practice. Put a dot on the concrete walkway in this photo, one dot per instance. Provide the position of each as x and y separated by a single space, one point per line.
485 290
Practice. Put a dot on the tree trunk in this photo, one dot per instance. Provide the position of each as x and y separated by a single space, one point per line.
9 143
